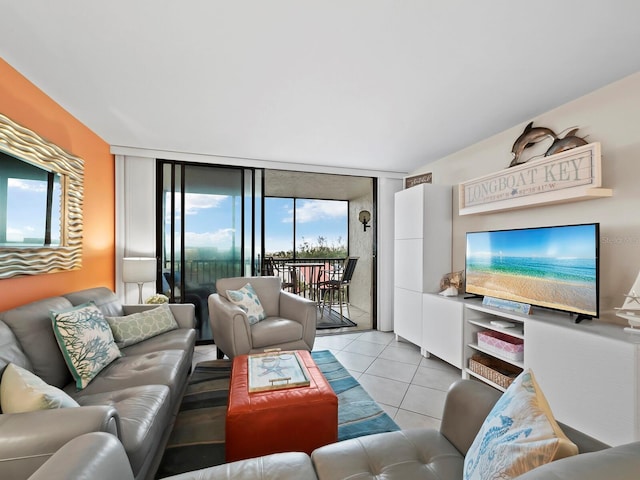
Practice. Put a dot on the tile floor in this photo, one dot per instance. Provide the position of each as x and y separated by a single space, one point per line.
408 386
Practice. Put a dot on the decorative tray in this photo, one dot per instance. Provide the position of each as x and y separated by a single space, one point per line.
276 371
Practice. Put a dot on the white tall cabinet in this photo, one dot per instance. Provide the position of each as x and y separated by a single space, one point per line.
422 253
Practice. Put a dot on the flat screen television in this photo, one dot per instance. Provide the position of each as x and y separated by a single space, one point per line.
554 267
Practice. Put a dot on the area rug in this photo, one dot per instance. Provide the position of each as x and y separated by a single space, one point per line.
358 413
197 439
332 319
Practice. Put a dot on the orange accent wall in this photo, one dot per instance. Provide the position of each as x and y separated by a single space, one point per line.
29 106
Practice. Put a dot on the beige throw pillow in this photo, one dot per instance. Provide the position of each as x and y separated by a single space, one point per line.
22 391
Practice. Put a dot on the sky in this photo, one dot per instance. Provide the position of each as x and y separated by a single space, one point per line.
26 210
574 241
314 218
209 221
209 218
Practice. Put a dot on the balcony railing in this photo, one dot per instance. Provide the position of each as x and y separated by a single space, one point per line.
301 276
299 279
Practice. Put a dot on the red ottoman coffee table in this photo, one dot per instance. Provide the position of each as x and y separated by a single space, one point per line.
296 419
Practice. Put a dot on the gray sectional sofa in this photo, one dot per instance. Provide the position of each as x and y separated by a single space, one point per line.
423 453
135 398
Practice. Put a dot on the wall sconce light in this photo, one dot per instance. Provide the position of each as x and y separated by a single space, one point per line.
365 218
138 270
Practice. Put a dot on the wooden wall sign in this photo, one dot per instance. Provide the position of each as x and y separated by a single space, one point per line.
417 179
567 176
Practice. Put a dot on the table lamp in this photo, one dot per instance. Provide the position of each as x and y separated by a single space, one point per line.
138 270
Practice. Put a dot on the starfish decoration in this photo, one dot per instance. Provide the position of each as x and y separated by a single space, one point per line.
275 368
633 297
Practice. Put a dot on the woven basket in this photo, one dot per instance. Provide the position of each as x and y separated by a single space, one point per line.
493 369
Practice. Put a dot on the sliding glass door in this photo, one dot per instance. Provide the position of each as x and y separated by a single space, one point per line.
208 217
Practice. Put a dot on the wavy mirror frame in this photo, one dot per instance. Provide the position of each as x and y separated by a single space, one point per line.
27 145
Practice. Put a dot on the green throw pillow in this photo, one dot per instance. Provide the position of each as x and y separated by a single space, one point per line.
248 301
86 341
137 327
518 435
23 391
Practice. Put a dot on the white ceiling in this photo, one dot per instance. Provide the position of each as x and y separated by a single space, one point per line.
367 84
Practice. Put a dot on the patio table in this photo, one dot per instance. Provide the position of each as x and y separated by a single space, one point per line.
307 273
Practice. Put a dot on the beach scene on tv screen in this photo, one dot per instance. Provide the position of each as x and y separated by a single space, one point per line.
552 267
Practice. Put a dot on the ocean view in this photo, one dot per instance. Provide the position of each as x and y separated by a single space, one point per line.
566 283
569 270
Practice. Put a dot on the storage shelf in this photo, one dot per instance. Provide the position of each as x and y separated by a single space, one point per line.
498 312
516 332
515 363
484 379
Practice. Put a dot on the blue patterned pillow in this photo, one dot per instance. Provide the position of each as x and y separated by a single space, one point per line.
248 301
85 340
518 435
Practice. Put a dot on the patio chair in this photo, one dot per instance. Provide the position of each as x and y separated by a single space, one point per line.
338 287
270 269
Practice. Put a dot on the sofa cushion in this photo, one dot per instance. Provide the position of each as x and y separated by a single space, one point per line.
274 331
278 466
414 453
86 341
616 463
31 324
168 367
10 351
95 455
107 301
179 339
248 301
518 435
135 328
144 414
22 391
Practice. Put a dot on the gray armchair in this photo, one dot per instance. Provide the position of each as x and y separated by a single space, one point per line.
290 322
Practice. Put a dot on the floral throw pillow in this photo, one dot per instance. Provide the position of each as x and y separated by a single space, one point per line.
136 327
518 435
85 340
248 301
23 391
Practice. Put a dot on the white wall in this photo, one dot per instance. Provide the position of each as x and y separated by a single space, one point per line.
361 246
387 187
610 116
135 219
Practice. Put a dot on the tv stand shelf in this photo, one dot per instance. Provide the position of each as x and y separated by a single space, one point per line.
478 319
588 371
484 380
478 348
516 331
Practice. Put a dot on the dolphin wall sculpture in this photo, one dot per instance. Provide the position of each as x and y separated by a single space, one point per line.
527 138
569 141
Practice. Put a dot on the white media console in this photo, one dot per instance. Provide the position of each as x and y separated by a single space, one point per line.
589 371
